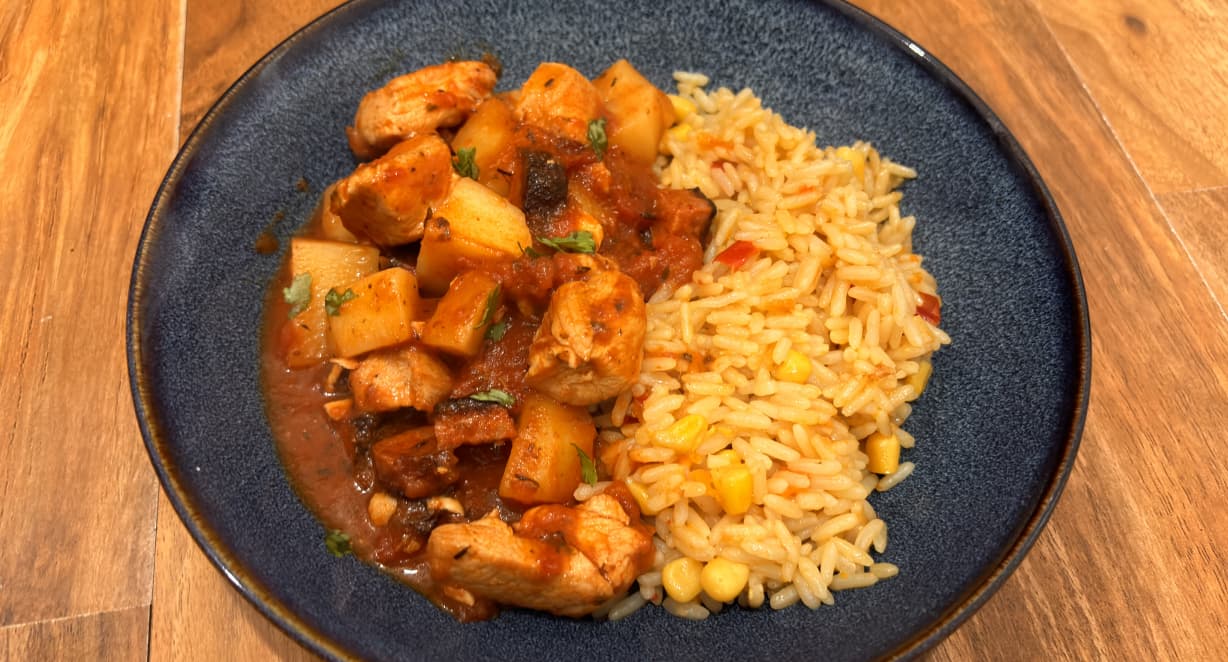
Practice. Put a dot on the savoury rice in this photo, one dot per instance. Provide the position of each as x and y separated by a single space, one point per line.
790 361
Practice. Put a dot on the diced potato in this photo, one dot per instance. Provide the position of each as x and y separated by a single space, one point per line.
543 466
331 264
560 100
490 132
638 112
379 314
588 202
474 224
462 318
576 218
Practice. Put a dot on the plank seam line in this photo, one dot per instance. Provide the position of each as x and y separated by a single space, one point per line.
177 143
1202 276
1214 188
73 617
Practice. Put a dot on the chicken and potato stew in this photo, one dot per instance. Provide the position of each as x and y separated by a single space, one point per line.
459 303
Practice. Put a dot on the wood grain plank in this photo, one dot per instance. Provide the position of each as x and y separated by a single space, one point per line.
198 615
1159 72
113 636
1200 218
1103 579
227 37
90 99
1137 505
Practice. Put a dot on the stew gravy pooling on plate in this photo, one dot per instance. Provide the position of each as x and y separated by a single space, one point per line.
452 312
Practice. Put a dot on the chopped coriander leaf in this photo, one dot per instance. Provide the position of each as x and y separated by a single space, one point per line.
580 241
496 331
596 137
464 163
495 395
588 471
492 303
530 252
334 299
337 543
298 295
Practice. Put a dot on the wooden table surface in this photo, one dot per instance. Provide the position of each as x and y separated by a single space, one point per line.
1120 103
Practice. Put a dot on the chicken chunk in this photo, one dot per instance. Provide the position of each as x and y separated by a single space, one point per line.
600 530
387 200
404 376
326 218
442 95
591 340
560 100
600 554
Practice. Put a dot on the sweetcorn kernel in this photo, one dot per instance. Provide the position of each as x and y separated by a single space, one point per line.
683 435
680 578
795 368
682 106
680 132
921 378
703 477
855 157
883 452
640 494
723 579
724 458
733 487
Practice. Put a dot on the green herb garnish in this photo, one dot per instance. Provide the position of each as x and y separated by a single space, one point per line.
496 331
580 241
298 295
596 137
464 163
492 303
337 543
334 299
496 396
529 251
588 471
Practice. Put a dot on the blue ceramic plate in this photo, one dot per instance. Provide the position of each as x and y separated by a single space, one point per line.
997 429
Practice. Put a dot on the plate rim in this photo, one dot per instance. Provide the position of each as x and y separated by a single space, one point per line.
964 606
